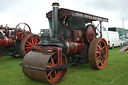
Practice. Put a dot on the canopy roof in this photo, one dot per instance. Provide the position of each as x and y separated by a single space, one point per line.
75 14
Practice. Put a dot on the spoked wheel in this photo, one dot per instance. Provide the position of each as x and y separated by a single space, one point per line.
22 29
27 42
55 76
98 53
46 61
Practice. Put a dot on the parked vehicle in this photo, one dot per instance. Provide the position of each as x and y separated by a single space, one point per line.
105 36
112 38
124 42
121 31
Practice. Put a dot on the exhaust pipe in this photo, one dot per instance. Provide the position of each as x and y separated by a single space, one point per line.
55 21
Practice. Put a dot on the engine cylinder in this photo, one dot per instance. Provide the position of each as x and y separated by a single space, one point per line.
74 47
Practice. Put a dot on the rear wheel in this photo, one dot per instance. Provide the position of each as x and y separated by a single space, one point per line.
98 53
27 42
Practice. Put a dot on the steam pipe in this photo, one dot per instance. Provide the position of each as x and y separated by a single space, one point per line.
55 21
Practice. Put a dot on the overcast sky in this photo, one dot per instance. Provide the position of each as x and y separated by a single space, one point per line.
34 12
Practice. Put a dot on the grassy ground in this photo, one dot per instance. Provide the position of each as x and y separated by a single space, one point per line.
116 72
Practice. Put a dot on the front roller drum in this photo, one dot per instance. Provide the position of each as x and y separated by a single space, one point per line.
44 60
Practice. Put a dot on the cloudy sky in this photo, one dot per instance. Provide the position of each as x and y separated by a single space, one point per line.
34 12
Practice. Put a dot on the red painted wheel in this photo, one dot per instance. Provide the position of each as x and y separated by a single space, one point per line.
90 33
27 42
98 53
22 29
55 76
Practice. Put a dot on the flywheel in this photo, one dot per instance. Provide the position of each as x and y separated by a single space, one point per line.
98 53
90 33
22 29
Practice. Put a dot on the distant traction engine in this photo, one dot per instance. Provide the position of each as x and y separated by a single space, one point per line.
17 41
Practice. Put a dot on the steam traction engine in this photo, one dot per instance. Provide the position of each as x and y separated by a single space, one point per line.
73 41
17 41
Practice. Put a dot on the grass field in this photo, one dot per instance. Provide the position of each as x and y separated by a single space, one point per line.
116 72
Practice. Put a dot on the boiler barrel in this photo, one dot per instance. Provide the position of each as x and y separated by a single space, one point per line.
5 41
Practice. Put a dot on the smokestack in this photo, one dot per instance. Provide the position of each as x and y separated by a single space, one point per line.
55 21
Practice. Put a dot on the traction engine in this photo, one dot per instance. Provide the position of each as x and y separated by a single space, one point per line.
17 41
72 41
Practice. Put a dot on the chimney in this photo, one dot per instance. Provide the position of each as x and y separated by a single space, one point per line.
55 21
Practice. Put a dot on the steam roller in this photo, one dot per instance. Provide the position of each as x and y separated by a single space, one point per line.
71 40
